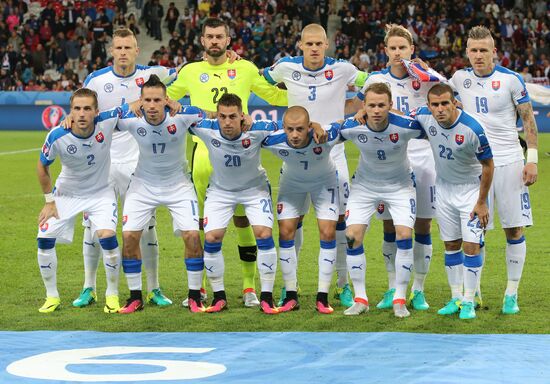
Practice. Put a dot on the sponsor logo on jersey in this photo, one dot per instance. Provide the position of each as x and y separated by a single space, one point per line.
416 85
216 143
495 84
71 148
172 129
124 219
45 150
296 75
467 83
245 143
279 208
140 81
231 73
108 87
459 139
99 137
283 152
362 138
381 208
141 131
44 227
317 150
432 130
329 74
394 137
204 77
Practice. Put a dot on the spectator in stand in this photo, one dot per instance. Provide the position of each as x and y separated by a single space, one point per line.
155 16
172 16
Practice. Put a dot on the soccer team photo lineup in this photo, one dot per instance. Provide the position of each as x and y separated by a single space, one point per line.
430 147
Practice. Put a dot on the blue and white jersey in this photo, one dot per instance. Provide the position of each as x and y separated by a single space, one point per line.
308 168
407 94
236 163
113 91
492 100
162 147
85 161
383 158
458 149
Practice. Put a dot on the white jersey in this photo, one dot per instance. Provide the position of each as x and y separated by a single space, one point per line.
383 160
493 100
322 91
236 163
407 94
85 161
458 149
113 91
162 147
308 168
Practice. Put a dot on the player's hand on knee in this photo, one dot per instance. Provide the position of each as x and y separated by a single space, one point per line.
530 172
481 210
49 211
175 107
135 107
320 135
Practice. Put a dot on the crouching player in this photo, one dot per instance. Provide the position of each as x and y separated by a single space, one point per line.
308 168
383 176
160 179
464 168
82 186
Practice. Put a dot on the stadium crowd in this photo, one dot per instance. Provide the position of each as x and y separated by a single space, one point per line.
54 45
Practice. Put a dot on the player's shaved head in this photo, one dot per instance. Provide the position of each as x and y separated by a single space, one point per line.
314 29
296 113
297 126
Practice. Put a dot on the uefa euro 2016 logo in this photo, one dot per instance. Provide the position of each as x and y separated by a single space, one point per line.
52 116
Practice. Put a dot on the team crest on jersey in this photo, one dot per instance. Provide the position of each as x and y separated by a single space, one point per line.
141 131
171 129
362 138
45 150
317 150
467 83
283 152
108 87
216 143
71 149
44 227
140 81
416 85
99 137
394 137
459 139
245 143
432 130
231 73
329 74
495 84
296 76
279 208
204 77
381 208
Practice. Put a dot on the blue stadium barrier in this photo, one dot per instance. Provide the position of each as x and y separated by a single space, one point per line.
35 111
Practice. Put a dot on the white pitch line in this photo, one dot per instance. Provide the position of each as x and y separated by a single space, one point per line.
20 151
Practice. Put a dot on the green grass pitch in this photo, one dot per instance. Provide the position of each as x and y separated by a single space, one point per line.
22 291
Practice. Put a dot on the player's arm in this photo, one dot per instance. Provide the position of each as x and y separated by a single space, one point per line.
49 210
270 93
178 88
355 104
481 210
530 171
320 135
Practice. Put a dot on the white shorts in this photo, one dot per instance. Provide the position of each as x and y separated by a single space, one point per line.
510 196
325 201
454 203
101 209
339 158
363 203
220 205
142 199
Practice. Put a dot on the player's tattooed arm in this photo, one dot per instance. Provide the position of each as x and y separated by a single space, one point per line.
530 171
320 135
50 209
481 210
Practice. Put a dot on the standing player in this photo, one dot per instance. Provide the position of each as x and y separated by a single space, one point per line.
308 169
383 175
116 85
319 84
82 186
459 145
160 178
495 96
205 82
408 94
